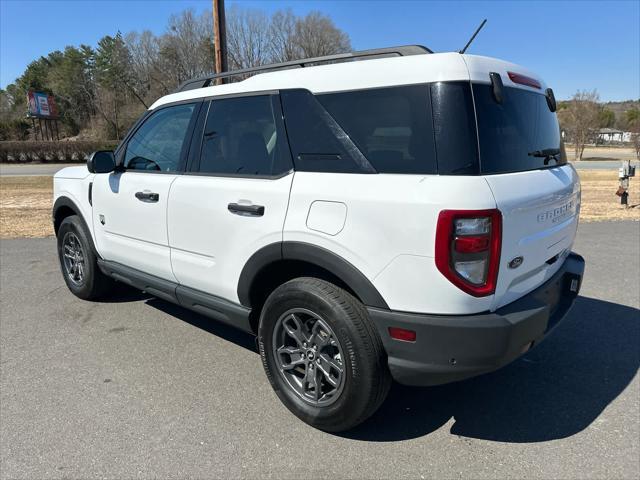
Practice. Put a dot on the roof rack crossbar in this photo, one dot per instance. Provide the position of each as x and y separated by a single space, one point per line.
401 51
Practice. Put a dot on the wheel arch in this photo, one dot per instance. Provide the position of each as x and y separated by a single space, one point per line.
65 207
62 208
277 263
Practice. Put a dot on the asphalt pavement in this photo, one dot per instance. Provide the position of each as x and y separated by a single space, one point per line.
32 169
600 164
140 388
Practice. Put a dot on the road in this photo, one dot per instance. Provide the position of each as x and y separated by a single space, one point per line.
600 164
32 169
140 388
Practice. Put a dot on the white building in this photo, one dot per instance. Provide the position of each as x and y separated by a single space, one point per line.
611 135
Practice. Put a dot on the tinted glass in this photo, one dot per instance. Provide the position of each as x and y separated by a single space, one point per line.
511 132
392 127
317 142
157 145
242 137
454 128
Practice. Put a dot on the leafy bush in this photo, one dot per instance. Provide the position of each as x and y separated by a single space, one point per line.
43 152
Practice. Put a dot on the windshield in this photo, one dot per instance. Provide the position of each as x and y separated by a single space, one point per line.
519 134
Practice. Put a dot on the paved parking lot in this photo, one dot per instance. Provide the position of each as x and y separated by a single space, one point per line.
141 388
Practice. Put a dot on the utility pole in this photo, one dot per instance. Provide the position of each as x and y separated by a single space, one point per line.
220 38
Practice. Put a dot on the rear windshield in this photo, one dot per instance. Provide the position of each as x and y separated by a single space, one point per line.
519 134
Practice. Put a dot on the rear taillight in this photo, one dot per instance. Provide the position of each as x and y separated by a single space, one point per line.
468 249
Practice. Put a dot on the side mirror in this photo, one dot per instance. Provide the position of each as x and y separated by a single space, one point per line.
102 161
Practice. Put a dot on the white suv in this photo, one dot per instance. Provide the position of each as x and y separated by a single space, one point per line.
384 214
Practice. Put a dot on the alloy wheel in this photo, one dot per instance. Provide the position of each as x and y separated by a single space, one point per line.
73 258
309 356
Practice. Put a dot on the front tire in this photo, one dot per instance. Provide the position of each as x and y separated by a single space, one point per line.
323 357
78 261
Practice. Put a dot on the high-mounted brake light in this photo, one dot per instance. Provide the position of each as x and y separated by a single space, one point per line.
524 80
468 249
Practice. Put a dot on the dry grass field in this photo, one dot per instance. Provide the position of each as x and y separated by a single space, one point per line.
25 202
25 207
599 201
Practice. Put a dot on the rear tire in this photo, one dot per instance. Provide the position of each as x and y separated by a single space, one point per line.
79 262
322 355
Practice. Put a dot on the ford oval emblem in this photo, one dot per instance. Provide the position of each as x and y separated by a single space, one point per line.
516 262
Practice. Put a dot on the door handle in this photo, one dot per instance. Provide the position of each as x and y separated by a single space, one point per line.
246 210
147 196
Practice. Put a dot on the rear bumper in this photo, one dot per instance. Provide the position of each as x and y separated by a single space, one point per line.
450 348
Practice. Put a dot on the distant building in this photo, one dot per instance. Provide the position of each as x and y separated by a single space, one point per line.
611 135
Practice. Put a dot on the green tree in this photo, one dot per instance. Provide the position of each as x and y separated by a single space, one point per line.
632 118
114 76
606 118
71 80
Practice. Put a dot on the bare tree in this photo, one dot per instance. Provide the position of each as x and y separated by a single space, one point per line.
145 58
248 43
635 141
316 35
580 119
101 90
632 123
186 50
282 33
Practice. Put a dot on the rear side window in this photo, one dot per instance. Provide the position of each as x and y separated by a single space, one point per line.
517 134
317 142
244 136
392 127
158 144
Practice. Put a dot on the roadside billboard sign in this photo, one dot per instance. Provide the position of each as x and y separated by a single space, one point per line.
42 105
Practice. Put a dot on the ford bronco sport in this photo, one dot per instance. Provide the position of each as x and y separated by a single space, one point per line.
387 214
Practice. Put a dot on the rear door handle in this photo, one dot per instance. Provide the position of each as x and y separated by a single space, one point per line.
246 210
148 196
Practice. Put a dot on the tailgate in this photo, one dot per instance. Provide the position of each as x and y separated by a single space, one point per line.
540 211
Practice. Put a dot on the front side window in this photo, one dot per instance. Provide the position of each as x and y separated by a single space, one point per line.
242 136
158 144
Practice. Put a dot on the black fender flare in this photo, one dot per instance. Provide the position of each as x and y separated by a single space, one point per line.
315 255
64 202
67 202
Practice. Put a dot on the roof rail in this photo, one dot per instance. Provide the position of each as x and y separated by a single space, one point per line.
401 51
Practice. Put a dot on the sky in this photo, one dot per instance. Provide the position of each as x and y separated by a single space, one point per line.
573 45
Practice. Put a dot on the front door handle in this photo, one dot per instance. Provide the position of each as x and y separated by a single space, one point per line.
246 210
148 196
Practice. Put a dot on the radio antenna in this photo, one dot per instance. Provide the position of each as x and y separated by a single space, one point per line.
473 36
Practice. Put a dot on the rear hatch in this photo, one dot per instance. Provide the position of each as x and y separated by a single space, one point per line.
539 221
522 159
